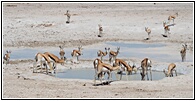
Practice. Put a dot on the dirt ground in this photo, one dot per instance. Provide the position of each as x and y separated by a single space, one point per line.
43 25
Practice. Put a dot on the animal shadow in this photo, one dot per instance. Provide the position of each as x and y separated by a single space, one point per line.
171 24
99 35
164 35
147 39
102 84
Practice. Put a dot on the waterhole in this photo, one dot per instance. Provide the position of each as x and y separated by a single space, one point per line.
127 50
89 75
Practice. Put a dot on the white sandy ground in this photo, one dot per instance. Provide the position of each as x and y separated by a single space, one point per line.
125 22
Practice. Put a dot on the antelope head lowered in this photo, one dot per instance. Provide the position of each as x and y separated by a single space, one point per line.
124 66
145 64
44 59
101 67
171 68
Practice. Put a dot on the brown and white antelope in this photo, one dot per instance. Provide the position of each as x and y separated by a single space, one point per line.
100 30
62 54
166 28
102 54
102 68
6 57
148 30
77 53
95 63
55 58
183 52
171 68
172 17
113 55
124 67
68 16
145 64
43 59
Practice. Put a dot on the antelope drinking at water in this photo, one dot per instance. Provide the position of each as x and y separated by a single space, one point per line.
145 64
171 68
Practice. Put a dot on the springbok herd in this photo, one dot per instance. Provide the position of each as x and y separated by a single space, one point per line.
166 26
49 60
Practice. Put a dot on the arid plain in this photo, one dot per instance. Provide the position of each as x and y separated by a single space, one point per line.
42 26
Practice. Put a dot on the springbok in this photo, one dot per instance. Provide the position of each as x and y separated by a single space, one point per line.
62 54
6 57
183 52
102 54
68 16
100 30
172 17
124 67
77 53
145 64
113 55
55 58
148 30
95 63
171 68
44 59
166 28
103 67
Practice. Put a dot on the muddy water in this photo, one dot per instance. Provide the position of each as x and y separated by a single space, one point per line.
127 50
89 74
